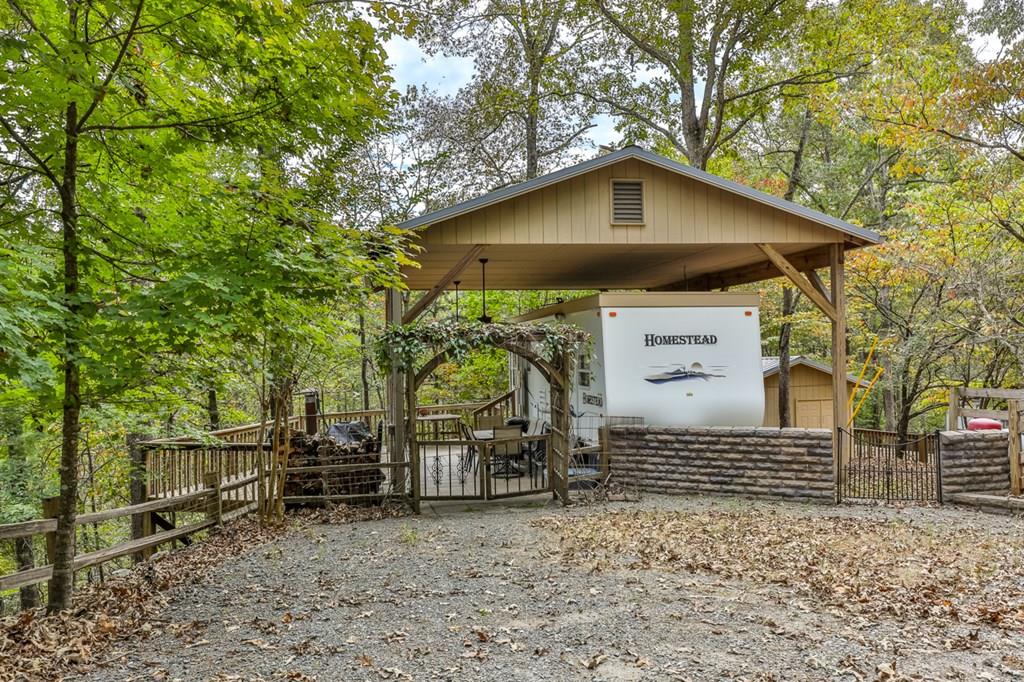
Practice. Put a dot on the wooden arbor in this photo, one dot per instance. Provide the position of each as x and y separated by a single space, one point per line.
684 230
557 370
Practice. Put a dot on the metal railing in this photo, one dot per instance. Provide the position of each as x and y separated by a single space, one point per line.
877 465
469 469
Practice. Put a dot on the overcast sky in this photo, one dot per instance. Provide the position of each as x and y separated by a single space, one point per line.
411 66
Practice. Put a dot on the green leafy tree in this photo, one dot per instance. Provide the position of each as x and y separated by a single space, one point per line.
153 135
520 114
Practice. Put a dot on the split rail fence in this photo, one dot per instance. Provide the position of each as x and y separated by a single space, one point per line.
961 409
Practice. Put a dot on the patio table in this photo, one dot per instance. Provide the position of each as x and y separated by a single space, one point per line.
434 423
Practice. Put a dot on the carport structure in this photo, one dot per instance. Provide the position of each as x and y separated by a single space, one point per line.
627 220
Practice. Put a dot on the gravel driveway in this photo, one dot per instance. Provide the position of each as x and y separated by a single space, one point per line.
478 592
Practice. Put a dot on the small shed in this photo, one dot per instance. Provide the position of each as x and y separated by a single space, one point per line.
810 392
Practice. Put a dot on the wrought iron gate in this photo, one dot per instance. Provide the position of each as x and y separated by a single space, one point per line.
482 469
876 465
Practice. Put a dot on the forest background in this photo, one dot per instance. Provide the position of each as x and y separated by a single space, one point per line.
197 200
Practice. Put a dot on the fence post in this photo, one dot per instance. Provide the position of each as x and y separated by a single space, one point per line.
50 506
311 411
214 507
603 439
485 469
137 492
1014 407
953 413
938 466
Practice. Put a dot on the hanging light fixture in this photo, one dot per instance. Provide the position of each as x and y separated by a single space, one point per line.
485 318
457 283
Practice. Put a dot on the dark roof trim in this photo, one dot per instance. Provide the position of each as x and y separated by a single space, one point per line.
633 152
770 367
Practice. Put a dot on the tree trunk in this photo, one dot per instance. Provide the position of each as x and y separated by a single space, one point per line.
24 553
789 297
62 582
25 559
212 409
532 125
785 332
364 363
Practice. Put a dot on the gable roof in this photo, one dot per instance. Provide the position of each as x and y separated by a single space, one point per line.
770 366
633 152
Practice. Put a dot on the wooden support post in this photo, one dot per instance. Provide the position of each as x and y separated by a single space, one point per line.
214 503
414 450
1014 407
561 444
486 459
396 395
953 413
801 282
604 440
840 408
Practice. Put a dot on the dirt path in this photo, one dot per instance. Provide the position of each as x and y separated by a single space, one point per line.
482 593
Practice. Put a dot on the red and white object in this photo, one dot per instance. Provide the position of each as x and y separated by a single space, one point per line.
984 424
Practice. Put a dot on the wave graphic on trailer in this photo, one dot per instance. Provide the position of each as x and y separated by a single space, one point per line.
680 374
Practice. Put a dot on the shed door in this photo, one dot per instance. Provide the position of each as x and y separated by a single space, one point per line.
814 414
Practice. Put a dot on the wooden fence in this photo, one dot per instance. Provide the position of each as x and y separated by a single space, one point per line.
205 483
961 408
212 504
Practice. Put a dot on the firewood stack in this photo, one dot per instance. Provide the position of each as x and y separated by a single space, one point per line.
318 451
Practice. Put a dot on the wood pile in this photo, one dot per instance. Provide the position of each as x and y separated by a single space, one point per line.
318 466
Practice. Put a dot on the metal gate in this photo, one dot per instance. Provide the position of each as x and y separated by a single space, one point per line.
876 465
483 469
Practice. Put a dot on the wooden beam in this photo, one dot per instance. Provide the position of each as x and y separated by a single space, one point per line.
745 274
840 408
784 266
1005 393
419 306
978 413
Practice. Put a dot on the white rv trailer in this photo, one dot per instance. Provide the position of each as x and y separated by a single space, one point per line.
672 358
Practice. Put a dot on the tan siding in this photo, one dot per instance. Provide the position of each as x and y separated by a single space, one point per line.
805 384
678 210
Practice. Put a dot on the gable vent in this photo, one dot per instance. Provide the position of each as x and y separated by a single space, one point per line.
627 202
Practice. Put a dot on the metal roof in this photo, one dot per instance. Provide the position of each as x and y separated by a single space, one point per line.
633 152
770 366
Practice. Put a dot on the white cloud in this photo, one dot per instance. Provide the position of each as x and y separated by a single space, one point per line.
412 66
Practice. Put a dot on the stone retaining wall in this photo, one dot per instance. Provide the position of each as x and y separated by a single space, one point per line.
763 462
975 461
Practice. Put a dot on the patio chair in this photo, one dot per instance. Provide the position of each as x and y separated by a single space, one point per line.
507 448
488 421
536 450
468 458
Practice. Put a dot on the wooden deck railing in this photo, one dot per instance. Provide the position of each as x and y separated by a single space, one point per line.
501 406
207 482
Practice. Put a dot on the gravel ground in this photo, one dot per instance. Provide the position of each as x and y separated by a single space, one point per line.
474 592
